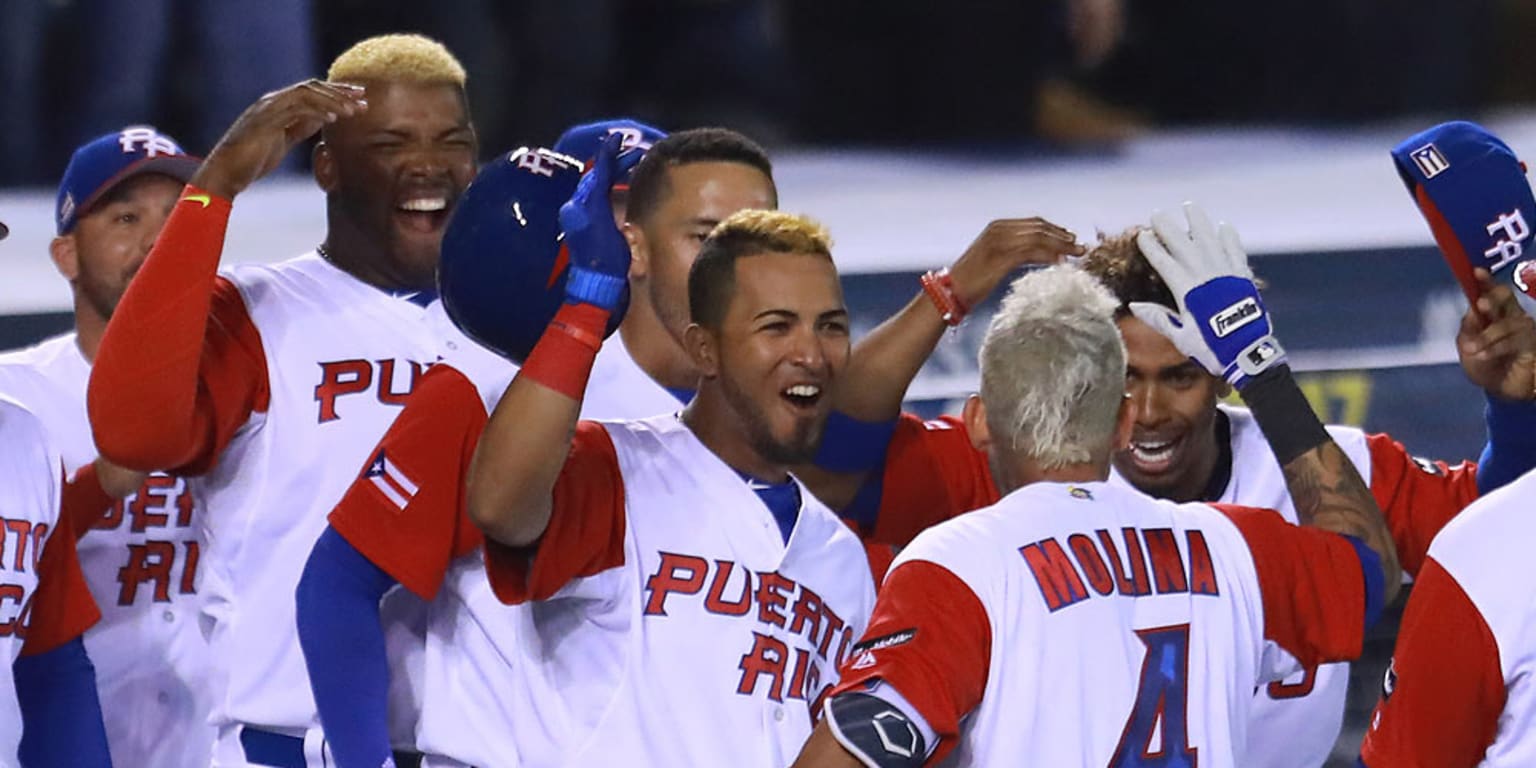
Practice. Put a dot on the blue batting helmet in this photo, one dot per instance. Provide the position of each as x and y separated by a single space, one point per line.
504 262
581 141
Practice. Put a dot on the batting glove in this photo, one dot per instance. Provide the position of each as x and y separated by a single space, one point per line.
599 254
1221 322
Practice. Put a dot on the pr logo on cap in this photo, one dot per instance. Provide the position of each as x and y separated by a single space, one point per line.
1430 162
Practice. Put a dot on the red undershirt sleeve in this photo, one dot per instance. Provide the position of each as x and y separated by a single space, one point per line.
1445 690
406 510
180 366
1418 497
84 500
930 638
586 526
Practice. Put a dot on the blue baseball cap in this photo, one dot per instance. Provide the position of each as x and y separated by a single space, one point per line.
581 141
107 161
1471 188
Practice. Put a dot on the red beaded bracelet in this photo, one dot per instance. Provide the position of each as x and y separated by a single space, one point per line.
940 288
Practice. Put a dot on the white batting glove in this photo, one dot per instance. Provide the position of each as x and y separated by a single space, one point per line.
1221 323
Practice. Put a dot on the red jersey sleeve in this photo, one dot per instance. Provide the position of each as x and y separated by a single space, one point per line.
1445 691
1312 583
62 608
932 473
180 366
1417 496
930 638
405 511
586 526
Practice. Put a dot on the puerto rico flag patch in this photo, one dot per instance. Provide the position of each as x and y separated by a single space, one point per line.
390 480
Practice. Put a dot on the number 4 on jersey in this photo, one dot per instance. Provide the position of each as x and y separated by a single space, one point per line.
1156 735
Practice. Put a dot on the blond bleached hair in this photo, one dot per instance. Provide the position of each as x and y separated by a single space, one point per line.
775 231
745 233
1053 368
400 57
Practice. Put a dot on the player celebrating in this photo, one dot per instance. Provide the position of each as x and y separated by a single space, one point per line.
1458 691
269 384
49 711
1078 622
142 553
614 535
1186 447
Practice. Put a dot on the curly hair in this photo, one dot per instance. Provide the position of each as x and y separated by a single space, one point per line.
1116 260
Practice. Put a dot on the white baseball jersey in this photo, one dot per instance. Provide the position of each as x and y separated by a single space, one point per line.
140 559
304 366
44 602
1090 625
405 512
933 473
665 620
1462 687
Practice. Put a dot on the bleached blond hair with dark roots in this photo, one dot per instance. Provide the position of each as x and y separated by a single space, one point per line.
401 57
1053 368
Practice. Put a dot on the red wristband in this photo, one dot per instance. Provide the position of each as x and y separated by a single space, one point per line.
562 360
940 288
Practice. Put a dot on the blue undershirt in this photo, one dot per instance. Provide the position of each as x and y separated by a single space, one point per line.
343 643
60 713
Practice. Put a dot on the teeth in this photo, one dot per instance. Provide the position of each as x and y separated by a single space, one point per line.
424 204
804 390
1152 452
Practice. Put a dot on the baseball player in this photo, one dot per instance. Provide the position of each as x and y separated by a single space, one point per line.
268 384
1186 447
1077 621
673 571
1458 691
141 553
49 712
421 540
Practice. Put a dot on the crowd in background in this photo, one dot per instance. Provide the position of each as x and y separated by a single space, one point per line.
977 74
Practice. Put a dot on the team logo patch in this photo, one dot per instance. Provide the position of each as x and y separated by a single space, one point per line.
1223 323
1079 493
885 641
1430 162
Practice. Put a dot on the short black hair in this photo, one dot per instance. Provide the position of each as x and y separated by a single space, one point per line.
712 278
648 184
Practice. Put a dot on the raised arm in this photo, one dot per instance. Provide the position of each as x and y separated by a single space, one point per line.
1222 324
887 359
149 398
528 438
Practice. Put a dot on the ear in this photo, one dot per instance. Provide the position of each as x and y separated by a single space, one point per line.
975 417
703 349
66 258
1125 422
324 162
639 250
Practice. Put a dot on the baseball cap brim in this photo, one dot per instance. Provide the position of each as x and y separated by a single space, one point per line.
178 167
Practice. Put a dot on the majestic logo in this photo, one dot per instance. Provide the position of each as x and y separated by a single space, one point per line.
892 640
1507 248
1429 160
1223 323
1389 681
1079 493
151 142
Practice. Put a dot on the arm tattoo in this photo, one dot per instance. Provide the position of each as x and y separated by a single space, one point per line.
1329 494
